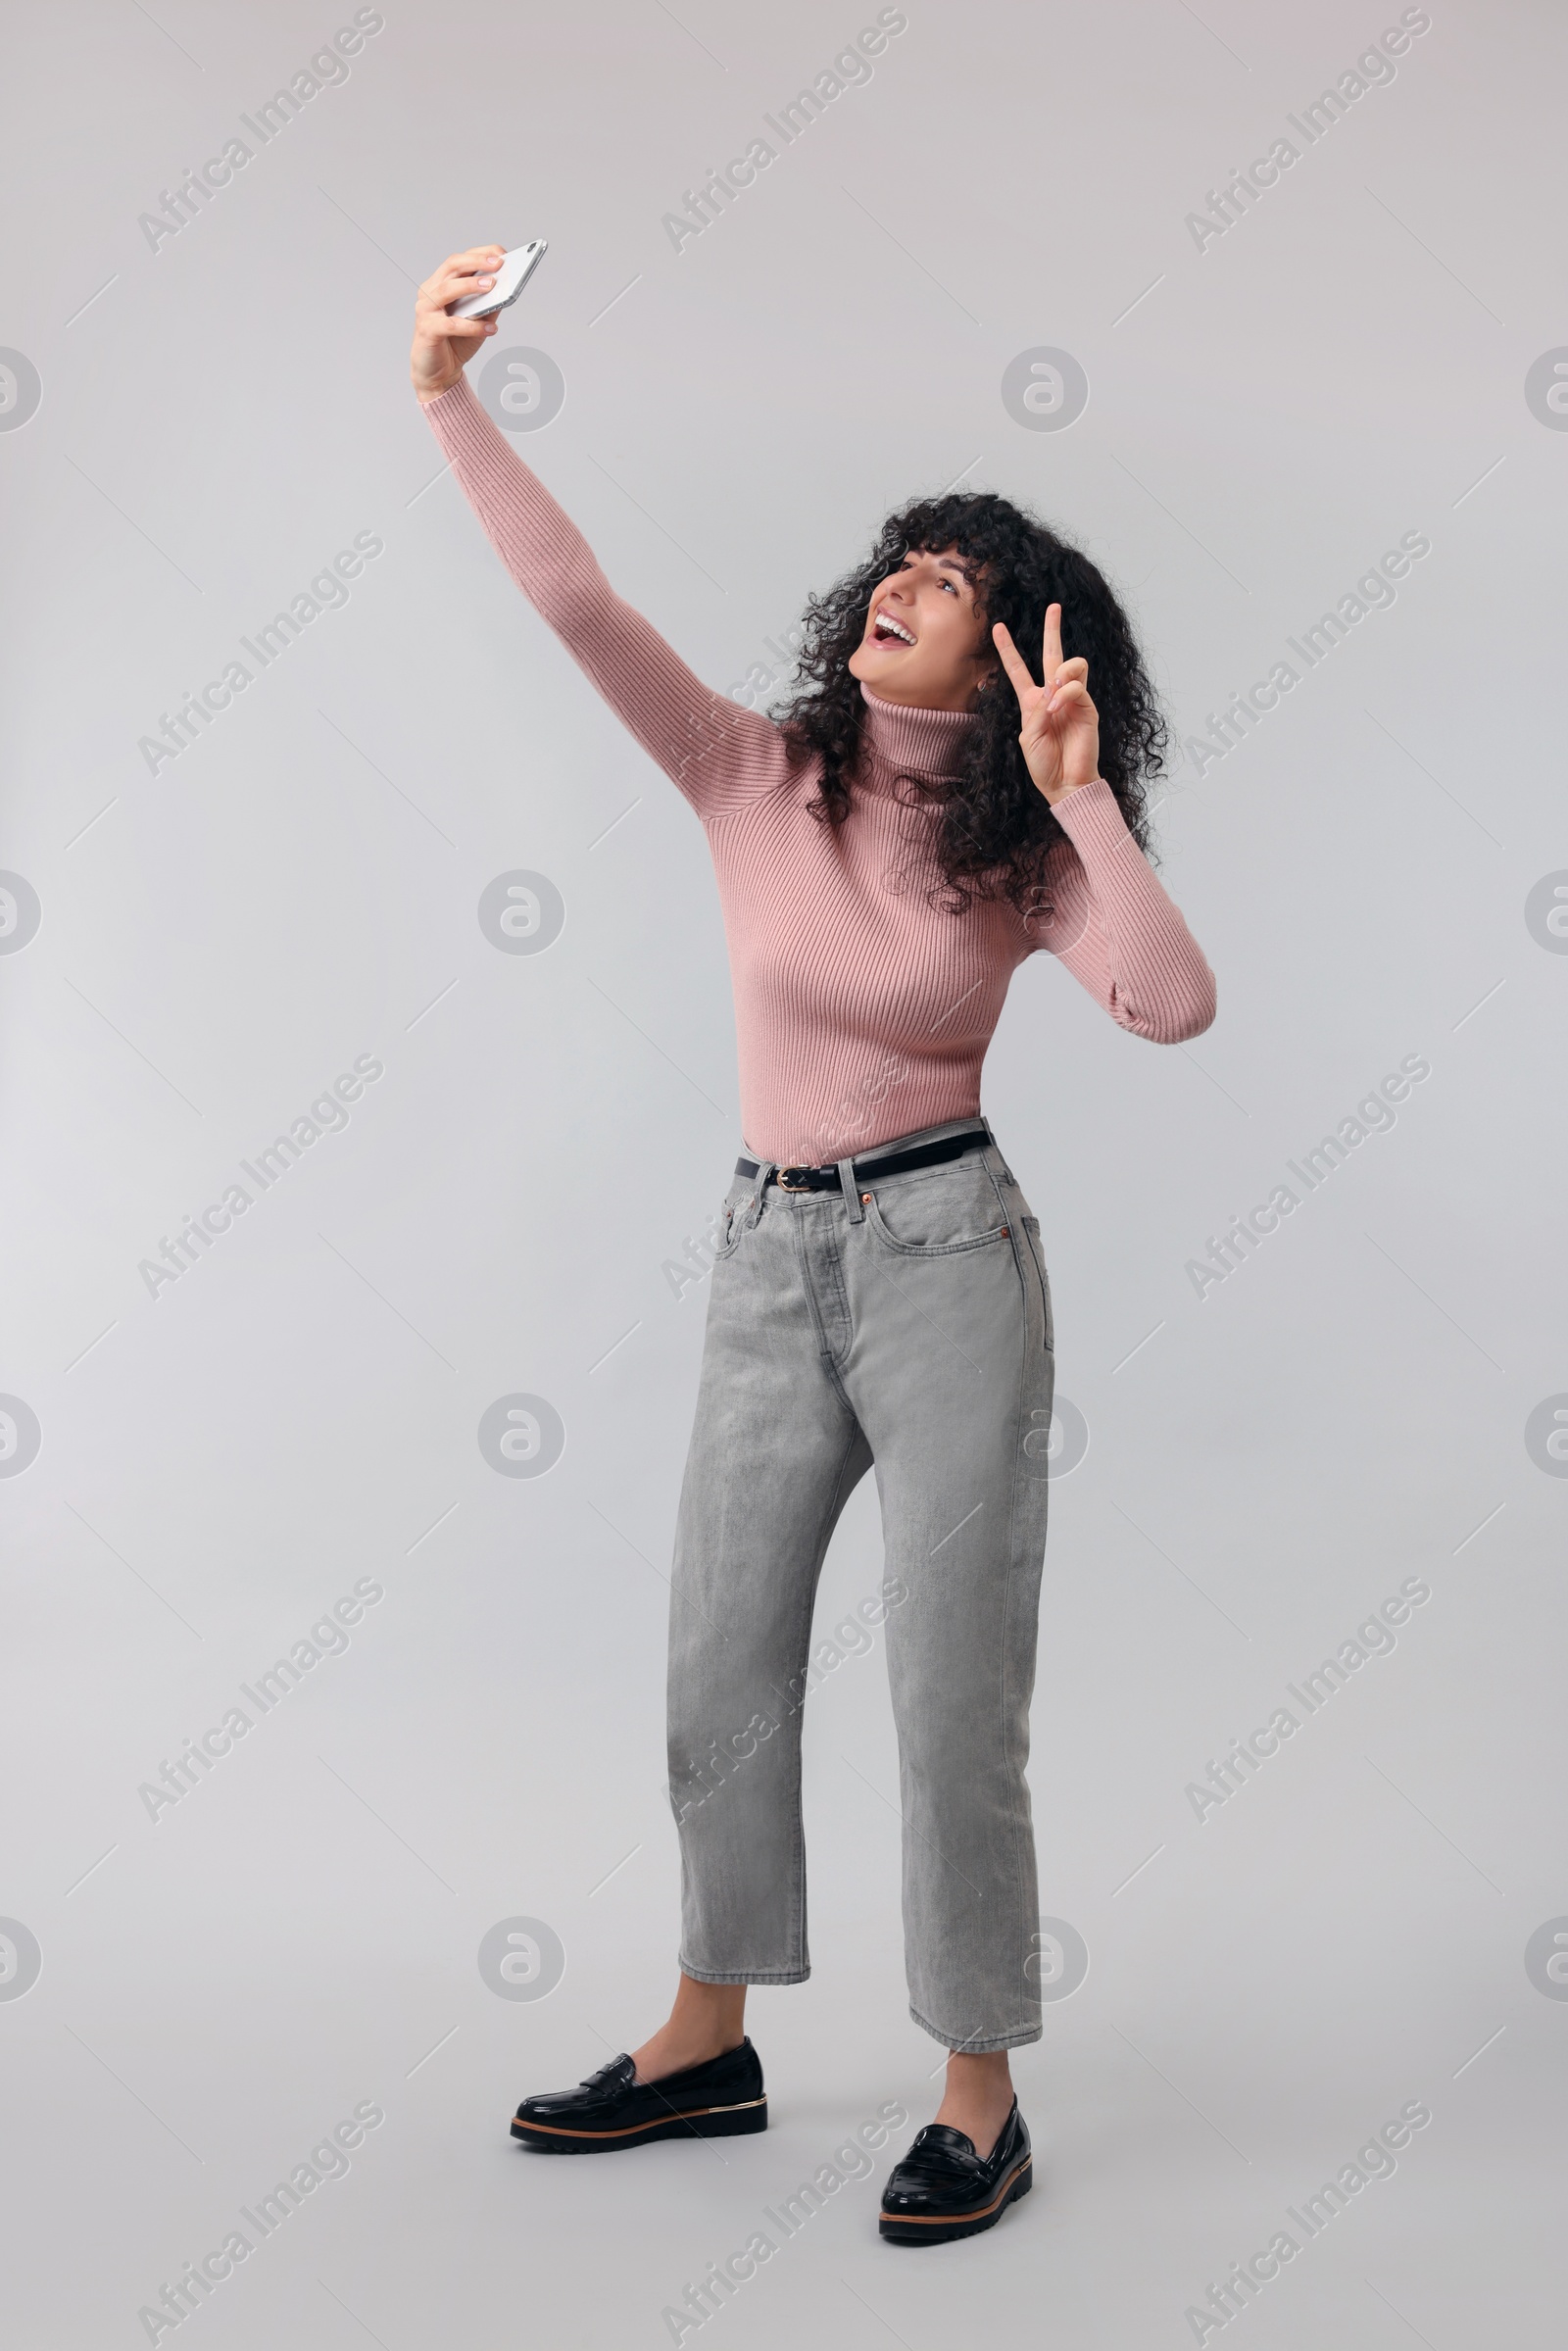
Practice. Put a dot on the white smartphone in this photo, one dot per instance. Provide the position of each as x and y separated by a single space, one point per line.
516 270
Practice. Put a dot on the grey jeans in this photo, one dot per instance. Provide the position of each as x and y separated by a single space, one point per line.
903 1324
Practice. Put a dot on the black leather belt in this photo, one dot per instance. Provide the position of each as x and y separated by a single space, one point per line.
826 1179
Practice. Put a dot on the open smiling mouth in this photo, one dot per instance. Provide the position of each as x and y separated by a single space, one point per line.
888 631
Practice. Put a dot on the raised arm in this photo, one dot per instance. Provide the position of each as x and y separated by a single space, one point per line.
1105 913
1104 910
719 756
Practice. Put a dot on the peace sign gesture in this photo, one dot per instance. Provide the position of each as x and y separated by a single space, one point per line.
1059 734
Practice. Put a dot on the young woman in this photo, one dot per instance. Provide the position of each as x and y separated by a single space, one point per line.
888 851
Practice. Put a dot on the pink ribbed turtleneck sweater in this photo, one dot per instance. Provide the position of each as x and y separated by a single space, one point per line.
861 1011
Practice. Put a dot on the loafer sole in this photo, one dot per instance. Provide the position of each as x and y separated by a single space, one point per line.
697 2122
912 2229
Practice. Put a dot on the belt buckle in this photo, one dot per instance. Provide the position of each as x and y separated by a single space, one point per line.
782 1175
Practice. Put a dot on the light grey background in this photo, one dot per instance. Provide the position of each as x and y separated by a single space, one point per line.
301 1408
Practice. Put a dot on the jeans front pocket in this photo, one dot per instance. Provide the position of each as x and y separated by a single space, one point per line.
1031 1226
932 1215
735 1218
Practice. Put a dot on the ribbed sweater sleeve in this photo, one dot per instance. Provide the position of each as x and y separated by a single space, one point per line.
1115 928
717 753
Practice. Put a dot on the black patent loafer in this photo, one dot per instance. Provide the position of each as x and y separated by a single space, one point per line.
721 2098
942 2190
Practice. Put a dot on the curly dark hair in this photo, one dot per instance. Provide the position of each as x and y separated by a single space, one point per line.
998 827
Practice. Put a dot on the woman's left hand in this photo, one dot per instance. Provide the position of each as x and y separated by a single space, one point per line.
1059 734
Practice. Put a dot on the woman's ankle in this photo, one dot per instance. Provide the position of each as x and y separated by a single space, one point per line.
666 2053
977 2097
706 2021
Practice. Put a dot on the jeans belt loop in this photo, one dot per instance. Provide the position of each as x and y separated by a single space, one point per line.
851 1192
759 1180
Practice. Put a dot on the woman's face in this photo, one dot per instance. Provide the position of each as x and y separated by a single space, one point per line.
926 643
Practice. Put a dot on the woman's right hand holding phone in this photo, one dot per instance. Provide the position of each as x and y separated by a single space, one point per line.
443 346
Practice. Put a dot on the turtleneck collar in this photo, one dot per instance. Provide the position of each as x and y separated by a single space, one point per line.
927 741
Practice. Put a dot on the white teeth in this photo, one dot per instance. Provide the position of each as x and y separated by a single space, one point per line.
884 621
